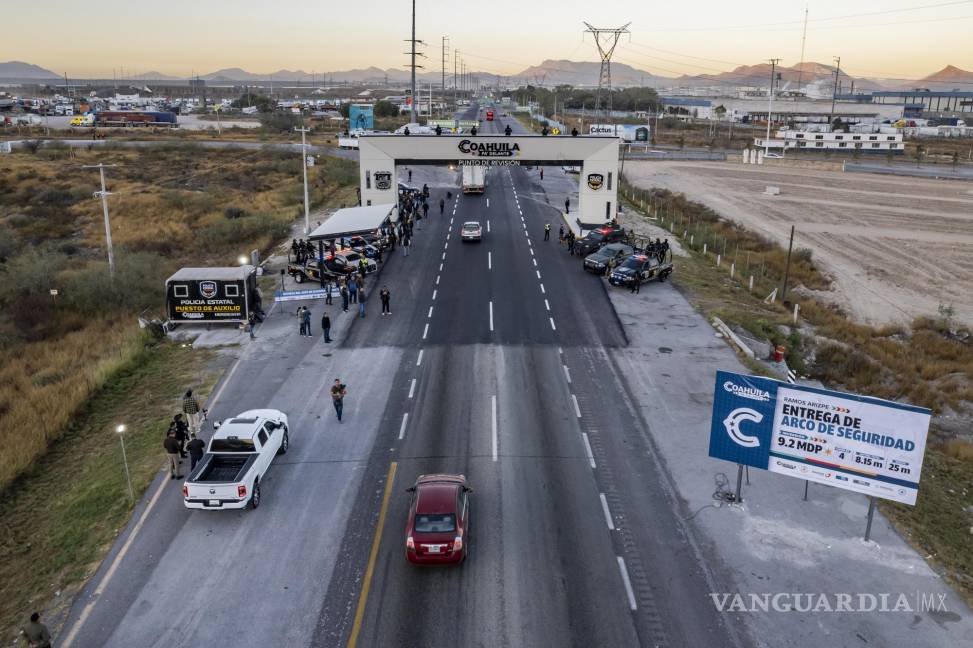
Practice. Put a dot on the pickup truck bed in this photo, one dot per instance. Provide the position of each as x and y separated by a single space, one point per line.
217 469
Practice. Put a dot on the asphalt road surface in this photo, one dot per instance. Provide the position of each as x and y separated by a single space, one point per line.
493 364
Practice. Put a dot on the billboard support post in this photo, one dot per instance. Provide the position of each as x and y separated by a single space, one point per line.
806 482
871 514
737 498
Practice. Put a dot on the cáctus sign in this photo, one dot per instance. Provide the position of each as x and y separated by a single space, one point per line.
857 443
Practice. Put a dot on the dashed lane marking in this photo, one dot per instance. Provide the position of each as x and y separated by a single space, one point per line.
535 262
538 273
577 409
412 388
430 313
494 426
425 332
547 305
489 260
488 226
628 584
434 295
491 315
608 514
543 292
419 359
567 374
553 328
405 421
587 450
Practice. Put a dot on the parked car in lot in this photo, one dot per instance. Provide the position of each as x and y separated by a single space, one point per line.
471 231
239 454
361 245
438 528
596 238
597 262
640 268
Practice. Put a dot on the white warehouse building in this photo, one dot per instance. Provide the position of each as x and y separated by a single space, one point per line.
794 140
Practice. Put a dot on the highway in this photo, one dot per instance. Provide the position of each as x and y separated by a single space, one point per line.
495 363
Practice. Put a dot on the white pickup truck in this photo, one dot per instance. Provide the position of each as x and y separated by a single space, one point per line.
239 454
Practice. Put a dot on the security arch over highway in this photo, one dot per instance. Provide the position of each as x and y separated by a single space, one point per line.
596 155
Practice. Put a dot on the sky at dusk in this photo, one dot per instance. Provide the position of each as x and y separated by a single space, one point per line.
888 38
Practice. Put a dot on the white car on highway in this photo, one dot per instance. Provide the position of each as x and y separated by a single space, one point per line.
238 457
471 231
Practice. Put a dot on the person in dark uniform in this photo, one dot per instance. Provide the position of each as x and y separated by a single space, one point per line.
507 130
196 447
37 634
473 131
547 231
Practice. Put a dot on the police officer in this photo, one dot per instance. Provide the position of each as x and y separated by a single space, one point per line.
547 231
473 131
439 129
507 130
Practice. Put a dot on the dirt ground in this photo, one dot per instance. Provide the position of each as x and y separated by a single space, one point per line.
896 247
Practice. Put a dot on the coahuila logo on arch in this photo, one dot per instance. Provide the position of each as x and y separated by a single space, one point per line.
746 392
489 149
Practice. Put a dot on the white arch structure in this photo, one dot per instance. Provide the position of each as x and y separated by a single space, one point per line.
597 156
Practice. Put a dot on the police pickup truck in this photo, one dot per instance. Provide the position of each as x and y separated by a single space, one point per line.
239 454
342 263
640 268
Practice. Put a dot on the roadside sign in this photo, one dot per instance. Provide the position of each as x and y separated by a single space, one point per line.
300 295
555 131
853 442
54 292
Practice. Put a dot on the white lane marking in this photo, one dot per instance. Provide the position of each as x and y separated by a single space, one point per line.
445 247
553 328
434 295
628 584
412 388
489 260
444 256
542 290
577 410
451 220
430 313
528 239
587 450
538 273
535 262
560 351
437 279
405 420
488 203
488 225
491 315
494 428
547 305
425 332
567 373
531 251
419 359
608 514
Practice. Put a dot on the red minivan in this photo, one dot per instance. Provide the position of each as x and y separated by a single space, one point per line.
437 531
489 115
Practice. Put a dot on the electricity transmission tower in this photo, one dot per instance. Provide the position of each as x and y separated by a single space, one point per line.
606 40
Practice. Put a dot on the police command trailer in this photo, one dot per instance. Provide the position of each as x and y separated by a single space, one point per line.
212 294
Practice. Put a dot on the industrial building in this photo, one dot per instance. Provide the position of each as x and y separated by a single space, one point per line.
917 103
795 140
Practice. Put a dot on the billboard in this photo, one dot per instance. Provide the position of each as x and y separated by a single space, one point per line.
628 132
857 443
361 116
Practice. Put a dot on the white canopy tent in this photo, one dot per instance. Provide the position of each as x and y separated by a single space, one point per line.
351 221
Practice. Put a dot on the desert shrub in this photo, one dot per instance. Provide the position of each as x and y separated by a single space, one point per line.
233 213
233 233
139 277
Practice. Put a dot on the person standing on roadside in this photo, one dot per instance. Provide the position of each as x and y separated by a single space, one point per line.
300 320
560 234
567 205
190 407
251 323
406 244
171 446
327 293
386 298
37 634
542 173
338 393
344 296
353 290
361 302
392 239
326 326
547 231
636 283
196 447
307 321
179 427
442 206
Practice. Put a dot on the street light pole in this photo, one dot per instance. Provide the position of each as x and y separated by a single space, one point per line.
120 430
307 211
770 103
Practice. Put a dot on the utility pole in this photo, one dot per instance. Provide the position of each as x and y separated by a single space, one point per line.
103 194
800 67
455 78
445 55
834 93
770 103
605 50
307 209
413 42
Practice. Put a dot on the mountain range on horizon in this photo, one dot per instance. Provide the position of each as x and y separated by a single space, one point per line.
561 72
